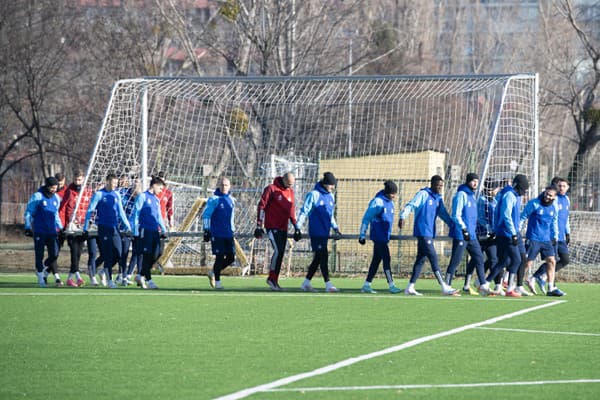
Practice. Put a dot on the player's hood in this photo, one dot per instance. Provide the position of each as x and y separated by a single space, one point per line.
44 191
319 188
219 193
278 181
465 188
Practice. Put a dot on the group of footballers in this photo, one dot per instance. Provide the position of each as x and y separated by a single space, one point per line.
488 228
125 218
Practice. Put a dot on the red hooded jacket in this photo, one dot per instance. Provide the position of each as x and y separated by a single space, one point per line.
67 205
276 206
166 205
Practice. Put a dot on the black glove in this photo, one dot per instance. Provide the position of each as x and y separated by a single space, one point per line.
85 235
553 242
514 241
259 233
206 236
362 240
163 235
297 234
400 223
337 235
61 235
28 232
567 238
466 235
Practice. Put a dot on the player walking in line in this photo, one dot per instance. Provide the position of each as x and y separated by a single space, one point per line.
486 209
148 225
464 233
541 215
62 185
275 208
318 207
427 204
380 215
508 238
564 234
166 202
135 262
109 211
60 192
74 233
219 228
42 222
128 194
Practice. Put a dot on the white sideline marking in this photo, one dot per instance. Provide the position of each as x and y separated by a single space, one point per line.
535 331
350 361
238 292
432 386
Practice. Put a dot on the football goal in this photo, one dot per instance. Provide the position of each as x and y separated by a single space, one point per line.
363 129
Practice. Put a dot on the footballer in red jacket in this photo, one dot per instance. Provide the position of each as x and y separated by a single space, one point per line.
275 209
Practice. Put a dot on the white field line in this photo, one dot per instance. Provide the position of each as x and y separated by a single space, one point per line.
434 386
545 332
238 292
353 360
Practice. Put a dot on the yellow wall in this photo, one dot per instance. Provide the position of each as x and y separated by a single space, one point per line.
360 178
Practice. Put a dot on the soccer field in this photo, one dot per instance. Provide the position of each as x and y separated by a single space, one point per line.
186 341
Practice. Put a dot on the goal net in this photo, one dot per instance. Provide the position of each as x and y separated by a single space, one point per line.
363 129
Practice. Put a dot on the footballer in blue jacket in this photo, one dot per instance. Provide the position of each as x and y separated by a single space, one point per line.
380 215
318 208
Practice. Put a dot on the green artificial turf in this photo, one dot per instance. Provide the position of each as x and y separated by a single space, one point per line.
186 341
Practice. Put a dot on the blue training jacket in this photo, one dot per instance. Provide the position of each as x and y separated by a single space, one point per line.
318 206
109 209
464 213
564 204
43 210
218 215
427 206
486 215
380 215
542 221
508 212
128 202
146 214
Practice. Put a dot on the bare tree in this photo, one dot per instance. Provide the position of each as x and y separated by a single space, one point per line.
582 103
35 77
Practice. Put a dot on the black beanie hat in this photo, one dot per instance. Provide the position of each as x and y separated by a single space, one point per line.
435 179
51 181
471 176
389 187
520 184
328 179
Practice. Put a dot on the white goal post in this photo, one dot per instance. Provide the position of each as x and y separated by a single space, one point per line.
363 129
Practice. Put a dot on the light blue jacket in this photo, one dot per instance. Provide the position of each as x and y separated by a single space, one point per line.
380 215
42 212
318 207
427 206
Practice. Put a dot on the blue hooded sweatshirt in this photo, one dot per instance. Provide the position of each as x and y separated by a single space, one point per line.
146 214
508 212
542 220
427 205
380 214
219 214
464 212
564 227
43 210
318 206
